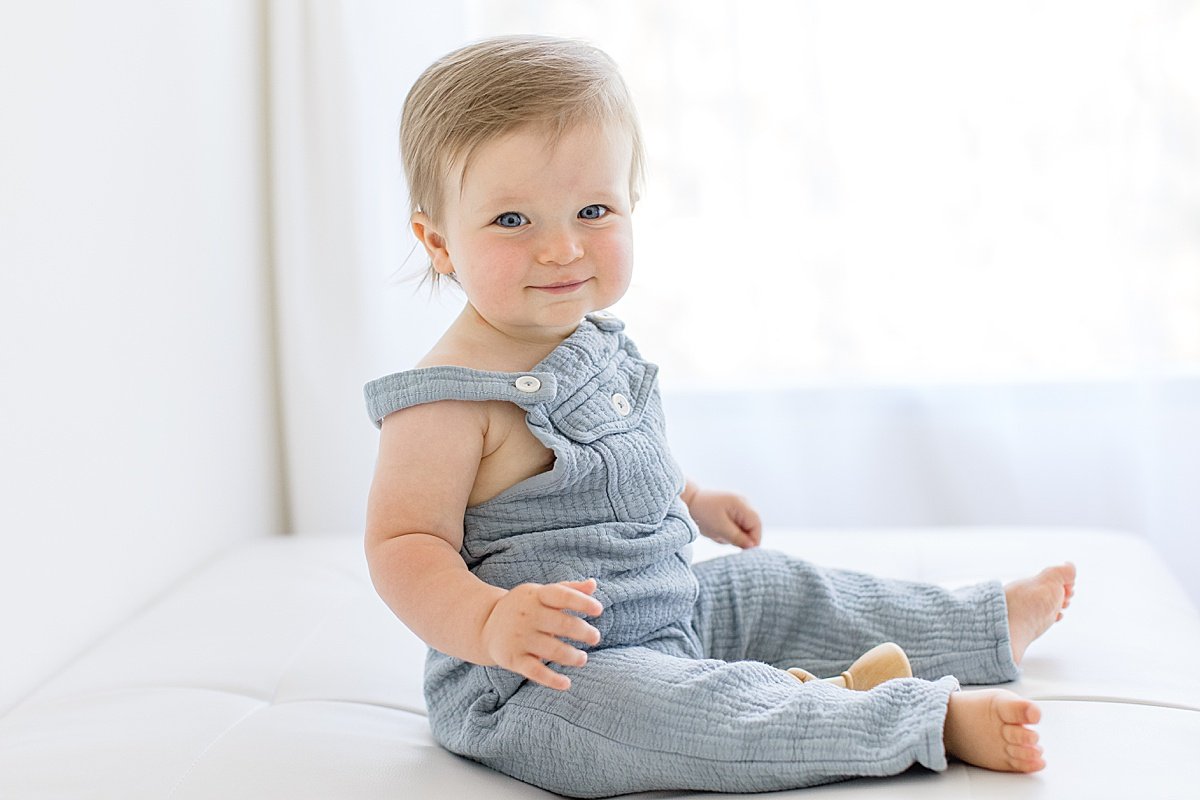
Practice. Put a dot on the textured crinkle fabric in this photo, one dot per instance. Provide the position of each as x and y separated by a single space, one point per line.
686 689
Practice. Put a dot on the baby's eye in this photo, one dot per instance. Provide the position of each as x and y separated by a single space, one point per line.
593 211
510 219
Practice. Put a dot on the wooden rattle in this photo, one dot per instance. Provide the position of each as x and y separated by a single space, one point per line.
881 663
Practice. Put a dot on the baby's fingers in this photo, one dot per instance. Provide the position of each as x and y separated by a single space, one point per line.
549 649
565 626
536 671
737 537
748 523
559 652
572 596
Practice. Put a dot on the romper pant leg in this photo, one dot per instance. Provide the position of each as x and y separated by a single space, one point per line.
767 606
638 719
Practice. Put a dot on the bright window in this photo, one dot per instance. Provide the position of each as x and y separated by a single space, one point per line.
879 192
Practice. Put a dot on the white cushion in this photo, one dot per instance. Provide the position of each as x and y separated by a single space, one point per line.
276 672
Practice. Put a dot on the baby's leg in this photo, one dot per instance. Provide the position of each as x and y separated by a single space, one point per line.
766 606
636 719
988 729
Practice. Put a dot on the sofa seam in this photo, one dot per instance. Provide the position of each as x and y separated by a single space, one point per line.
200 756
300 648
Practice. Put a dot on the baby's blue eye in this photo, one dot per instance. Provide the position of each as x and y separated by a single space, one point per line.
510 219
592 212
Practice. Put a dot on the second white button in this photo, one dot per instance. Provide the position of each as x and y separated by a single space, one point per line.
621 404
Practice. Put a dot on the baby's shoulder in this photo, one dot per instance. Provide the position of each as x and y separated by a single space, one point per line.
450 352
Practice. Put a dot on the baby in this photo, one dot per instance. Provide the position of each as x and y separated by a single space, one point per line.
527 521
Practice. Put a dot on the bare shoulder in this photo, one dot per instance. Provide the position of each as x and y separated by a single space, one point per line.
469 345
497 417
473 357
493 417
476 448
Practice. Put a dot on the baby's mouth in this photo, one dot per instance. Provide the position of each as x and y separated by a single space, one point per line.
561 287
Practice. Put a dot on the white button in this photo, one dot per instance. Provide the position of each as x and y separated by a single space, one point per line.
621 404
528 383
603 315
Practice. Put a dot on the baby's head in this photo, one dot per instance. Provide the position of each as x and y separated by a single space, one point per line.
486 90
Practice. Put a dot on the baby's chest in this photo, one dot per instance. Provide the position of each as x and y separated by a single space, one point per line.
608 434
511 453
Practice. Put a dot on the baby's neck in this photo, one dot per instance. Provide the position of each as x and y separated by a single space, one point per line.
472 338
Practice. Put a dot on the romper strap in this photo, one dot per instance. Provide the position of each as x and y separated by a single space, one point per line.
430 384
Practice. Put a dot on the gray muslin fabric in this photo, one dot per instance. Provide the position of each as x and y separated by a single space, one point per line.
686 689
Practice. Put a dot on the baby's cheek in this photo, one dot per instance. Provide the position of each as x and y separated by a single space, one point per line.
505 267
616 253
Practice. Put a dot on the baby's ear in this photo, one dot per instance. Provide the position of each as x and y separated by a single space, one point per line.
433 241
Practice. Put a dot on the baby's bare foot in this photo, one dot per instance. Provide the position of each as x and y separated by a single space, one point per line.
987 729
1034 604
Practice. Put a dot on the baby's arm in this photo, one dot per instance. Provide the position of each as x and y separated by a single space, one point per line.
723 517
428 458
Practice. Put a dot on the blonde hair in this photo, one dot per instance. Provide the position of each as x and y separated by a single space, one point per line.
486 90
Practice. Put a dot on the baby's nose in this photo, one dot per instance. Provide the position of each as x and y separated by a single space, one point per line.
560 247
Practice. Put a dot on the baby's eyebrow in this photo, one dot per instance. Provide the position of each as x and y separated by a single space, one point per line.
514 202
504 200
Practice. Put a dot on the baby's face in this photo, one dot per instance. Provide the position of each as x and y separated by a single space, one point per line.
540 233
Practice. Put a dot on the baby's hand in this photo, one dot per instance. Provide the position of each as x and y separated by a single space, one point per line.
528 624
726 518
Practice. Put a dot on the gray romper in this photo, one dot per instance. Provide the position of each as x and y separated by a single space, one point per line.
686 689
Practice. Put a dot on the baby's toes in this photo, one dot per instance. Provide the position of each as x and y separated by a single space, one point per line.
1017 711
1024 759
1067 573
1019 736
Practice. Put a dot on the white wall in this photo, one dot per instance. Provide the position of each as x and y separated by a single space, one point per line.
137 427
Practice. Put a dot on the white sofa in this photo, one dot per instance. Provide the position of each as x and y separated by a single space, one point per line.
275 672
